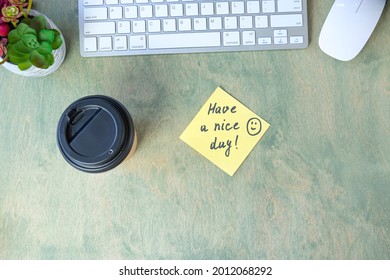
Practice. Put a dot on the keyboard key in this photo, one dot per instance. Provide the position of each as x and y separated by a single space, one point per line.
169 25
154 26
123 27
131 12
112 2
268 6
161 10
146 11
120 43
237 7
139 26
246 22
116 13
176 10
99 28
138 42
280 40
200 24
230 23
264 41
222 8
286 20
95 13
192 9
253 7
280 33
207 9
289 6
92 2
296 40
90 44
248 38
185 24
185 40
105 44
261 22
215 23
231 38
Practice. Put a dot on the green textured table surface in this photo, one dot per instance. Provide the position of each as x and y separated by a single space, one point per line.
317 186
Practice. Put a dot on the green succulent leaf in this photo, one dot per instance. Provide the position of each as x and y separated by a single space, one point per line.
23 29
38 23
57 42
14 53
25 65
47 35
45 48
19 49
13 37
37 59
30 41
19 59
49 61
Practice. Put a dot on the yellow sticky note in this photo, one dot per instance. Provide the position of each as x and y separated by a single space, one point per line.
224 131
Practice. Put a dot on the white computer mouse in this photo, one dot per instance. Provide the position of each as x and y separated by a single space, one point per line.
349 26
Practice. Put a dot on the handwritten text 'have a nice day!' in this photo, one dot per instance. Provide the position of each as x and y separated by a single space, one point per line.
228 126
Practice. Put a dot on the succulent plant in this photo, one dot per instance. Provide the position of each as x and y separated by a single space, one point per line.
11 14
31 43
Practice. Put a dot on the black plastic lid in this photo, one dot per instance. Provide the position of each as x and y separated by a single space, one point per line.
95 133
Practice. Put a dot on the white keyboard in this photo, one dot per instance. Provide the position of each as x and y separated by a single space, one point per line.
139 27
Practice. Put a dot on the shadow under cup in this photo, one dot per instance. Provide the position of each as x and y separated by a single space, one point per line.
96 133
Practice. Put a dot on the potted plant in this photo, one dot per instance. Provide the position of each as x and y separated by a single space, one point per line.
30 43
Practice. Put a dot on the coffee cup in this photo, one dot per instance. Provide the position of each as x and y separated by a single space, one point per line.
96 133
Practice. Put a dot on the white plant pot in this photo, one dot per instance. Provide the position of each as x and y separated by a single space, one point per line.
59 56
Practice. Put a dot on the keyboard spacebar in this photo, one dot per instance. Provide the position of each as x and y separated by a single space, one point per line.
184 40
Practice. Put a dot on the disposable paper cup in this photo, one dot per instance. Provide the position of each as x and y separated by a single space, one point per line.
96 133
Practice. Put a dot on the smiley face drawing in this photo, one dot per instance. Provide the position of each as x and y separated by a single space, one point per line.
253 126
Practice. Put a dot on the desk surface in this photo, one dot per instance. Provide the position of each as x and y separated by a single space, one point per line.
317 186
